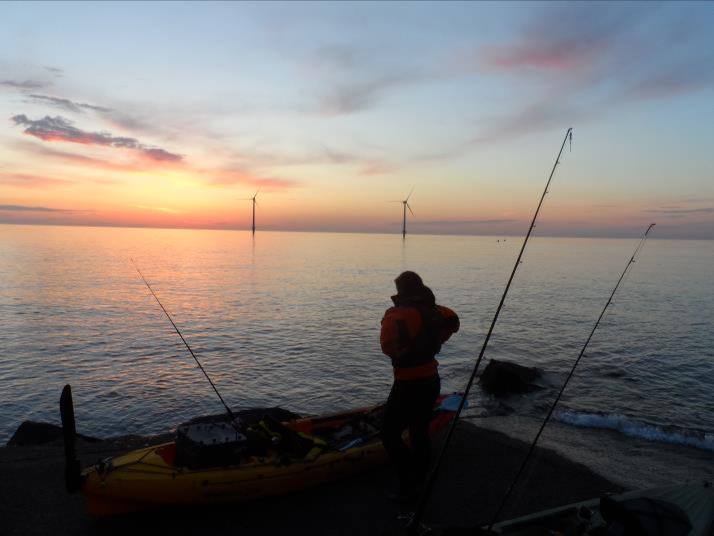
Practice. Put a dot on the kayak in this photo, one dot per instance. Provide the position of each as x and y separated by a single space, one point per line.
680 510
264 459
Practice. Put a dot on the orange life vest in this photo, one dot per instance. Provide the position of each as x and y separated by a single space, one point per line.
412 335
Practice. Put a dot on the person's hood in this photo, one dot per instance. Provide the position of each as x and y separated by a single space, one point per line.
424 298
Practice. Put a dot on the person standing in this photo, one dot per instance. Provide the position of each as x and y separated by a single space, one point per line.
411 335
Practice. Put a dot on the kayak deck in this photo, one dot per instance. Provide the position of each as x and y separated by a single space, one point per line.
149 477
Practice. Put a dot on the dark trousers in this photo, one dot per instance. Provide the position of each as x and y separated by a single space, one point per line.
409 406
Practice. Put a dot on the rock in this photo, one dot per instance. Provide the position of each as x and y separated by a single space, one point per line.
503 377
35 433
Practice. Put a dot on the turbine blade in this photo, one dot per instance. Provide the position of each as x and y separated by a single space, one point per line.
410 194
410 209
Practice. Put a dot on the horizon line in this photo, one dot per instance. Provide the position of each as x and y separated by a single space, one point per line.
279 230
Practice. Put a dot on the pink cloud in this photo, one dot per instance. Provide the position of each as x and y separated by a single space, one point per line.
538 55
238 176
82 160
23 180
61 129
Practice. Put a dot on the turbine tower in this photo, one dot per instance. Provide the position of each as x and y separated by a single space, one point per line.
254 203
405 203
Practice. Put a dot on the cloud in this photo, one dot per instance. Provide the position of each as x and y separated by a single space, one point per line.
452 152
587 62
689 75
678 210
534 118
334 57
67 104
464 222
565 37
158 154
351 97
226 178
377 167
24 180
25 84
159 209
339 157
696 200
22 208
60 129
54 70
249 160
130 122
351 79
82 160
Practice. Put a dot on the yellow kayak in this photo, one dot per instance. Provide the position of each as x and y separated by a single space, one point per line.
336 446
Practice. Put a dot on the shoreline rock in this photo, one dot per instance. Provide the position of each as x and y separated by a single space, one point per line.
31 433
504 377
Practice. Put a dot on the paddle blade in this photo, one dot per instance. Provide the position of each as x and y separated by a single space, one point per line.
72 477
451 402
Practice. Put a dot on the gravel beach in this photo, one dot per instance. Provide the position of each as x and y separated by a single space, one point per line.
475 474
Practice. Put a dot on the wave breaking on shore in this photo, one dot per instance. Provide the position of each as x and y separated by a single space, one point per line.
636 428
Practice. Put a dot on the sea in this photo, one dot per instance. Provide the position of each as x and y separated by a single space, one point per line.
292 320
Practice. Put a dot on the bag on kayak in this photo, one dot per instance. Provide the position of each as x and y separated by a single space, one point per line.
201 445
271 434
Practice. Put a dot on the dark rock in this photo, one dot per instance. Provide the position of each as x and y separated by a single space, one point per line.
35 433
503 377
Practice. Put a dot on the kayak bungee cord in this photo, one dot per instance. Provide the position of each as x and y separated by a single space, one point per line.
230 413
639 247
413 525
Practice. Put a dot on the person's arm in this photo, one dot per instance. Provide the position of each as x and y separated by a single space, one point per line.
451 323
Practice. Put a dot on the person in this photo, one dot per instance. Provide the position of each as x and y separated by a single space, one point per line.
411 335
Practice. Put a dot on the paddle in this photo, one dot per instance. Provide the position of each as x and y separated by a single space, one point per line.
72 477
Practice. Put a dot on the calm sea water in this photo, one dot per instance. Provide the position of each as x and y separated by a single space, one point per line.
292 319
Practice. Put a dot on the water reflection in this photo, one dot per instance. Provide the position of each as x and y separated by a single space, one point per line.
294 320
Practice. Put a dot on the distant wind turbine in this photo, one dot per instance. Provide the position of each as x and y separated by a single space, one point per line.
254 203
405 203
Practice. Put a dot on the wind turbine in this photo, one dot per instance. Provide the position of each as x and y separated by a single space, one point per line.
254 203
405 203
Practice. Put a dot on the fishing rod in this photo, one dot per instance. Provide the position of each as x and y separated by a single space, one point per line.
230 413
414 522
639 247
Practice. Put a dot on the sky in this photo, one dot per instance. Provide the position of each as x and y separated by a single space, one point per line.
175 114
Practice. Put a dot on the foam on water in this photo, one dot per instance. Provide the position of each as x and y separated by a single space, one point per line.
636 428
